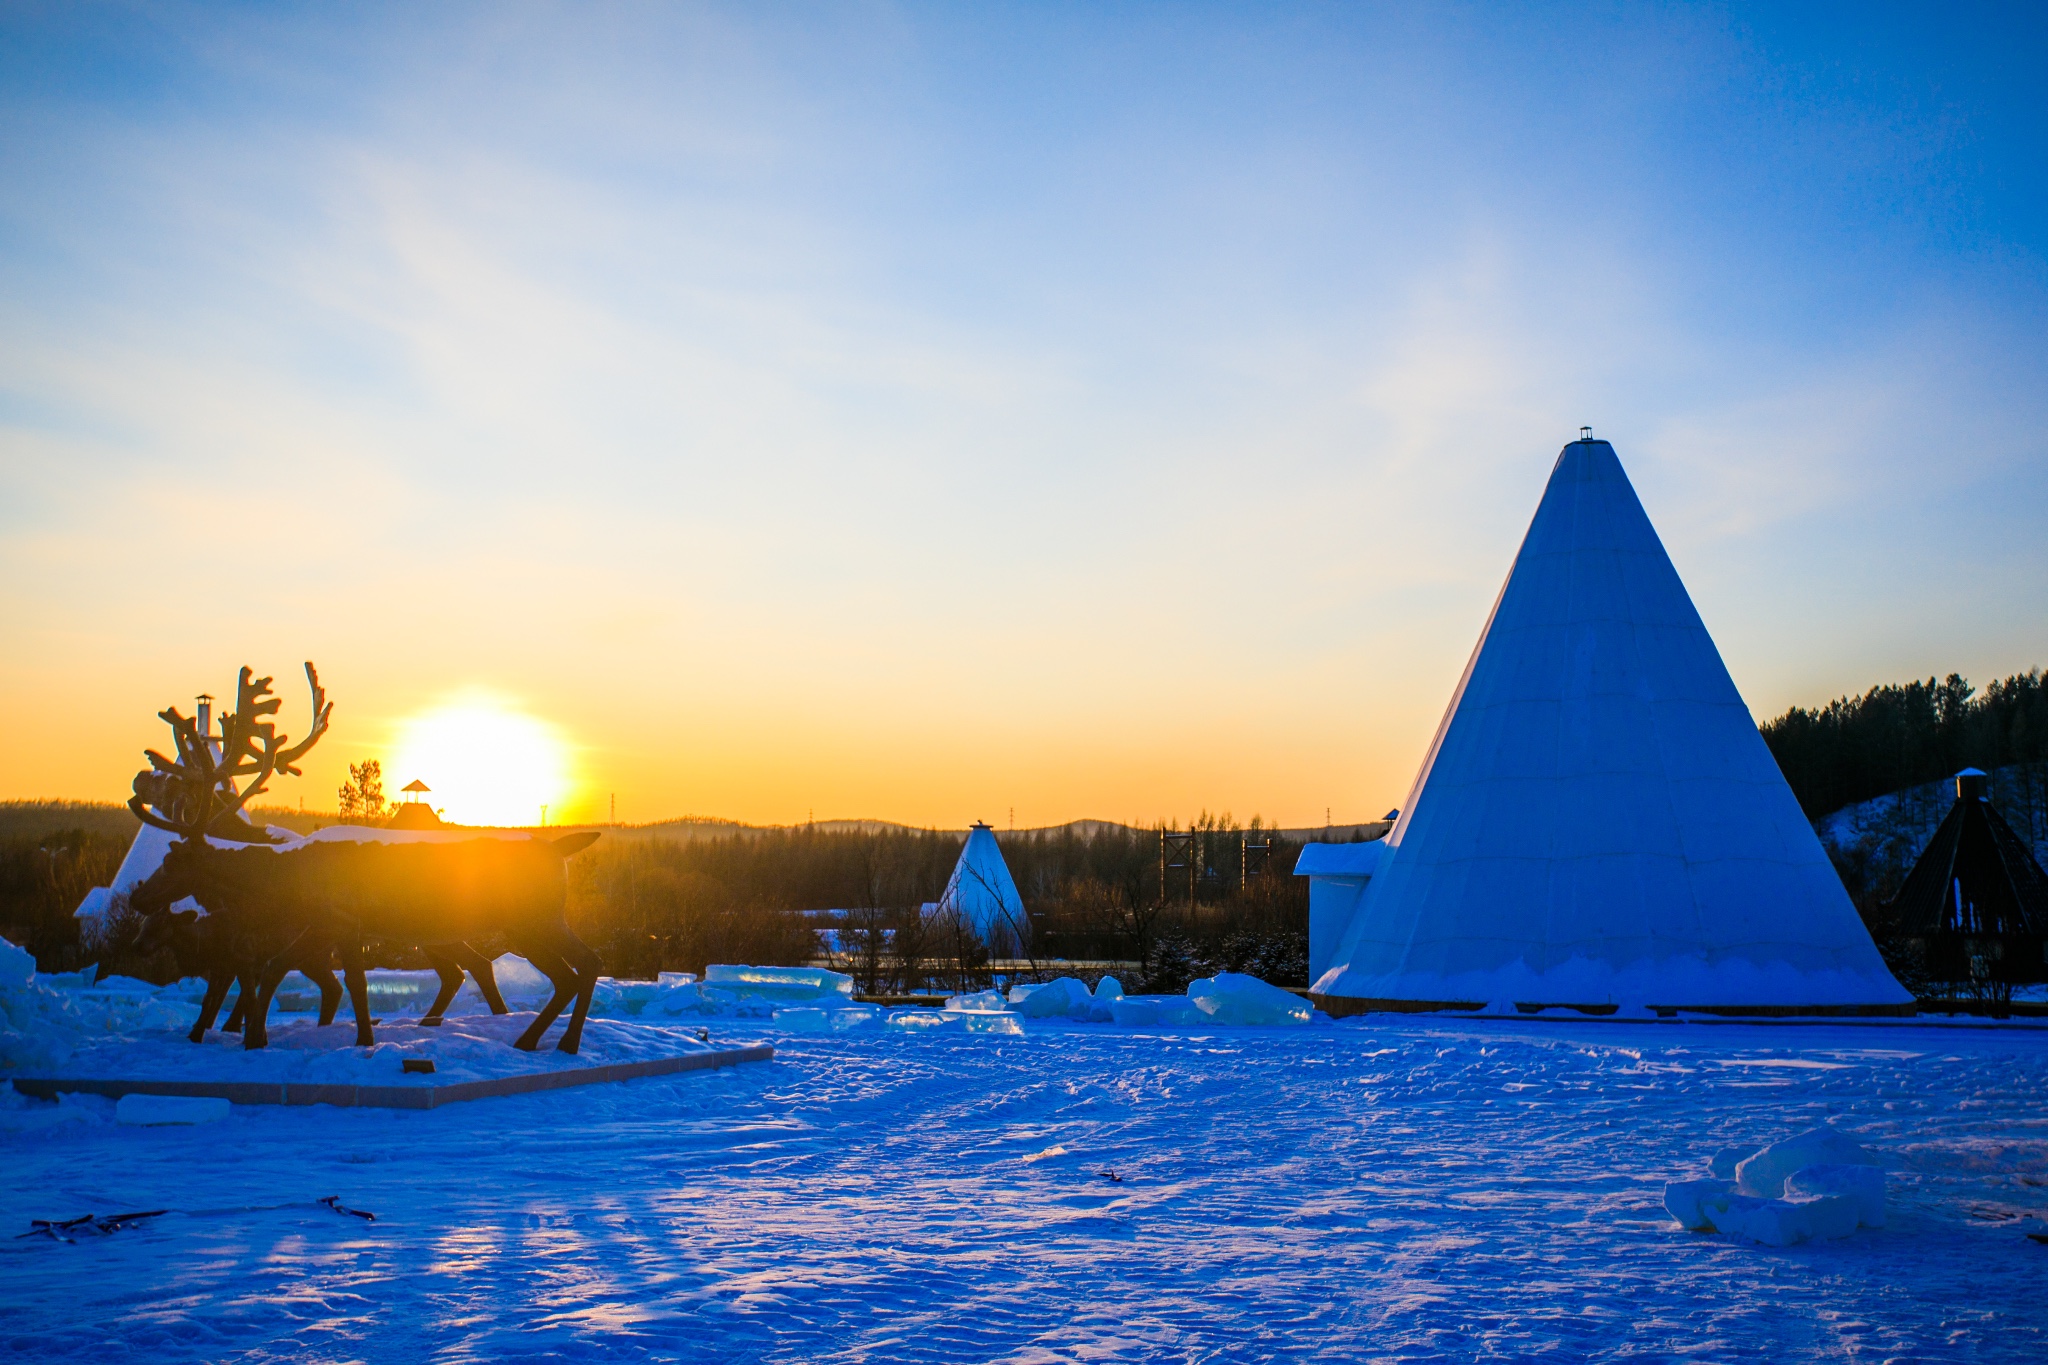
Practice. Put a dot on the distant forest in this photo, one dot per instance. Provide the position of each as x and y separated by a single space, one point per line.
653 898
650 899
1897 736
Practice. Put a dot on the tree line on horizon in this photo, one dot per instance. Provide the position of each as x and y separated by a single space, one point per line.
1094 892
1902 735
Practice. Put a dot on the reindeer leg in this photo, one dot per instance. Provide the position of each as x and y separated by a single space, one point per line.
216 992
351 951
322 976
237 1014
480 968
587 964
451 982
566 985
274 973
254 1011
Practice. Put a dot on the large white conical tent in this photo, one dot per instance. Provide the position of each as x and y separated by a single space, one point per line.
1598 822
982 894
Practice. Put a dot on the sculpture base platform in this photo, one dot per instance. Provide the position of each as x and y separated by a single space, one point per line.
472 1056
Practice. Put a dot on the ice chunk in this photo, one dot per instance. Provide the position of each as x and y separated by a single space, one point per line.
783 983
1134 1011
1019 993
826 1019
1685 1200
1718 1206
1109 988
150 1111
980 1000
1234 998
674 997
1725 1161
1140 1011
1770 1221
1004 1022
16 966
1065 998
520 980
678 978
1830 1216
920 1018
1763 1175
1862 1186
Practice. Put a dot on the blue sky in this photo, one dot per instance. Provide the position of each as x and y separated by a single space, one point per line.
919 411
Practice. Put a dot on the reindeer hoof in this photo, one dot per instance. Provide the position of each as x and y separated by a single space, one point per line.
527 1044
566 1046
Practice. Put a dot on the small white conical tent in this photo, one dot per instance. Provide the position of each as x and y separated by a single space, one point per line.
981 893
1598 822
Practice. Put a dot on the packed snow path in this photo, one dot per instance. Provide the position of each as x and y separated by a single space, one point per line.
1376 1189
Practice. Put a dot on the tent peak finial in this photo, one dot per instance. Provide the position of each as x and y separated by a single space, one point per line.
1585 433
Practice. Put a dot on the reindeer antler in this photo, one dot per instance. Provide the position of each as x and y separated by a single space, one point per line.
195 794
287 760
176 794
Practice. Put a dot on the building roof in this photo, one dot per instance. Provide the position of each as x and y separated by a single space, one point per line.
1339 860
1597 820
982 892
1976 892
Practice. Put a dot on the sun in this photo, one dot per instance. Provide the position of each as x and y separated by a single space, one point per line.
488 763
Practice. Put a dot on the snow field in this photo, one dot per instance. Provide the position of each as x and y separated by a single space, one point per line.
1379 1188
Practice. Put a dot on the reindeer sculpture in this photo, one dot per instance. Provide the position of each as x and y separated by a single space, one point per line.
313 897
195 796
201 946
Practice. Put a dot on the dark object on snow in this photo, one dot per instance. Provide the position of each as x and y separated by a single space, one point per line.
1113 1177
2041 1237
703 1035
1975 906
333 1201
89 1226
203 947
417 1066
318 897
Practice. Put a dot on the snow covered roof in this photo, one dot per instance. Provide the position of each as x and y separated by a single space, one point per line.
983 894
1339 860
1597 820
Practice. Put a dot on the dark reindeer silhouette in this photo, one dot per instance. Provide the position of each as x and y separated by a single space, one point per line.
198 946
279 903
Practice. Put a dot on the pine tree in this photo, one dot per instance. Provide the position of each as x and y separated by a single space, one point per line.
362 796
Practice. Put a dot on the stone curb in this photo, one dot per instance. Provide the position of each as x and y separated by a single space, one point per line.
426 1096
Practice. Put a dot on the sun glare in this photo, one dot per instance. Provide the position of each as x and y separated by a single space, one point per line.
487 763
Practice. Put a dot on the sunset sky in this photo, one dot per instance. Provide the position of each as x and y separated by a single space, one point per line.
921 412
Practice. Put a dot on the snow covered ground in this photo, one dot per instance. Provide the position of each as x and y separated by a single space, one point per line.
1377 1188
470 1047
